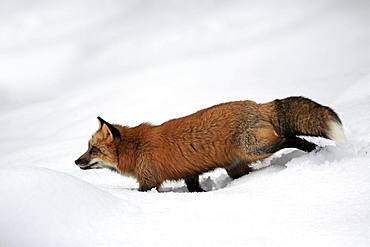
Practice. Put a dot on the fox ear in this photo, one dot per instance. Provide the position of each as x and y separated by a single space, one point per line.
101 122
108 129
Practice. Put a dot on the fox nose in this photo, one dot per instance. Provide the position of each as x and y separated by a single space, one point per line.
81 161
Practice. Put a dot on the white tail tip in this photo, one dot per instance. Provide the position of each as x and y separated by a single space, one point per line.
335 132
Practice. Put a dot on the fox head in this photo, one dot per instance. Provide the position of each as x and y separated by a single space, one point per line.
102 148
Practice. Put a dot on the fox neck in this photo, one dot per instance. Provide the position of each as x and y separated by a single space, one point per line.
131 140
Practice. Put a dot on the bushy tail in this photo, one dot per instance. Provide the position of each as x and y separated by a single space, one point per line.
302 116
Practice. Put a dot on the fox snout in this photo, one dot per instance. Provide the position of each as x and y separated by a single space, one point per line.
83 162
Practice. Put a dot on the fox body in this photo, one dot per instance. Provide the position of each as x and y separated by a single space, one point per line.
229 135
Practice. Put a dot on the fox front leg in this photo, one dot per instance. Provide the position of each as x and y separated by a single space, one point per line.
146 184
146 176
145 187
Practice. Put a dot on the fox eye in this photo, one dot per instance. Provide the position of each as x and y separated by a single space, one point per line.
94 150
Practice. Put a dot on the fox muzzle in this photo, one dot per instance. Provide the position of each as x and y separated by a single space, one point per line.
83 163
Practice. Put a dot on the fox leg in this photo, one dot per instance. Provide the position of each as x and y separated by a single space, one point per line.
146 184
241 168
192 183
146 177
145 187
237 170
286 142
299 143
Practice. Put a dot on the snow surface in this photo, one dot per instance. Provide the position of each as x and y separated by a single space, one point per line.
63 63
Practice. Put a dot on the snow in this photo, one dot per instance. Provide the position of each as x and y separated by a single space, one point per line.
65 63
66 209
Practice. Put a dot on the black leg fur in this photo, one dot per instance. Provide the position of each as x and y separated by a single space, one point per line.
193 184
238 170
296 142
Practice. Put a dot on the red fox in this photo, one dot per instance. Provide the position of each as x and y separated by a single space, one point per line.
230 135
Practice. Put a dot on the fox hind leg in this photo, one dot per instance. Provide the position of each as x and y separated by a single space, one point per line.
192 183
287 142
299 143
242 168
238 170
